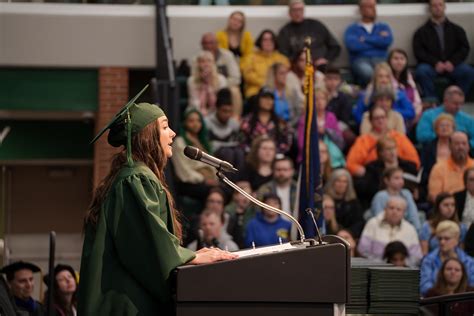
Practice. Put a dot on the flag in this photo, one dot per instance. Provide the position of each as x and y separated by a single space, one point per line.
310 185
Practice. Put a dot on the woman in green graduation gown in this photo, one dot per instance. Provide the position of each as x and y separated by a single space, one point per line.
132 234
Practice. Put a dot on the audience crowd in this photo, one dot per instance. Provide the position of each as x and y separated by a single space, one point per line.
395 162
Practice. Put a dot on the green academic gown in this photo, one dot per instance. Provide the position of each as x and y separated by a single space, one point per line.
127 259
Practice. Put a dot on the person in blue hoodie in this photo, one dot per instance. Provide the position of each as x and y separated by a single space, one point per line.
267 228
367 42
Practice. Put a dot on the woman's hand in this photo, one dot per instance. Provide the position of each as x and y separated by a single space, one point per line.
209 255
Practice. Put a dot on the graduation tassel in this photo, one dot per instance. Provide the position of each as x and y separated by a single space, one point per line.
129 140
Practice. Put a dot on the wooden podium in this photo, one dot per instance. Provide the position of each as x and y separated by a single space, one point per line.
308 280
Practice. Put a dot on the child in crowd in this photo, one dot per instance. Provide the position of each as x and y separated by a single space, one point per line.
396 253
394 182
268 228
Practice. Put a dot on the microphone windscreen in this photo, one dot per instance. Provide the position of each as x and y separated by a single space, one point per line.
191 152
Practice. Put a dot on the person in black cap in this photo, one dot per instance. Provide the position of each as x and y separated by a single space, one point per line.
64 291
132 236
21 281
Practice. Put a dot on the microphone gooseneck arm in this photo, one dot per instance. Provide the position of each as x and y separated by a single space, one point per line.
261 204
310 212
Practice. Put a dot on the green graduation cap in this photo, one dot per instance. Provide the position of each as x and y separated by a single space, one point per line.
129 121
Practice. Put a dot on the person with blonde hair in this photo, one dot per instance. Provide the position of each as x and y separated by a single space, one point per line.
448 234
383 78
204 83
234 37
348 210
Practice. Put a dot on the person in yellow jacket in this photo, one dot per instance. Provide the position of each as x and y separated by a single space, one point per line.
255 67
234 37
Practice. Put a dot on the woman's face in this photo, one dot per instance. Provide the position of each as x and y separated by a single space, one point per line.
204 65
193 123
301 62
447 207
266 103
395 181
280 75
166 136
236 22
268 45
447 241
398 62
321 101
379 120
382 78
444 128
452 272
66 282
215 202
329 209
266 151
340 185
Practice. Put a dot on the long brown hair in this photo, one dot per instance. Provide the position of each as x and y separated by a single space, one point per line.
146 148
441 286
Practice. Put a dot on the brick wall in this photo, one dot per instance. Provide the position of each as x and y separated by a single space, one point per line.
113 95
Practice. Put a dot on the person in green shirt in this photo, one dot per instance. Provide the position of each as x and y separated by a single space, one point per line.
132 239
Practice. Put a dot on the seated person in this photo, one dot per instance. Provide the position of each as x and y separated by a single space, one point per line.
267 228
327 121
398 61
65 286
289 98
384 98
393 183
264 121
339 103
469 241
21 282
364 149
224 131
234 37
452 103
387 157
388 226
254 67
444 209
452 279
240 211
465 198
438 148
396 253
348 211
226 66
212 233
204 83
367 42
447 175
441 48
324 47
194 177
259 162
448 234
382 79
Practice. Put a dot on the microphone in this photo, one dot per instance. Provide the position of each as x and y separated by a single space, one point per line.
196 154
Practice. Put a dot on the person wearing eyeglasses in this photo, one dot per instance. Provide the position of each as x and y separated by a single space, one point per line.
448 234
